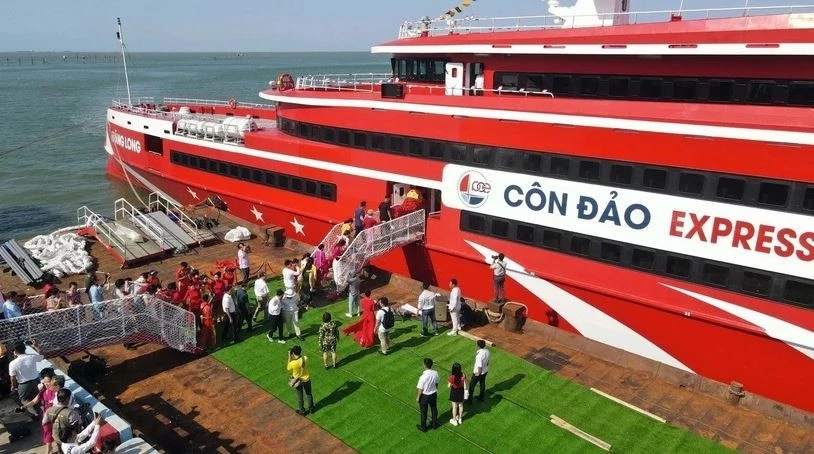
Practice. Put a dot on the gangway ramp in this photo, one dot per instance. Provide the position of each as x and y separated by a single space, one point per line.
120 237
174 230
376 241
164 238
142 318
175 212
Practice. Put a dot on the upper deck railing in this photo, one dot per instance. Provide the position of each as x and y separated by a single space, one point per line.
469 24
139 108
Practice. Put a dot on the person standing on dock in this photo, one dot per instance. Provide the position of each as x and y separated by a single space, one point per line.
480 371
231 319
426 304
97 295
427 396
243 261
454 306
499 279
208 334
261 295
242 301
297 366
275 314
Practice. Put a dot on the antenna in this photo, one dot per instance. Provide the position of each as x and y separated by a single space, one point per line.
120 37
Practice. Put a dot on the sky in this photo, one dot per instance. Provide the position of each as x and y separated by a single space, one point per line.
251 25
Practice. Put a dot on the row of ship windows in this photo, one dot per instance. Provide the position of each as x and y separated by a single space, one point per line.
753 282
662 88
781 195
419 69
276 180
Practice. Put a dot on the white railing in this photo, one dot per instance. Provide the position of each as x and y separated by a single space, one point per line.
331 238
85 216
441 89
444 26
135 319
125 210
376 241
343 82
157 202
217 102
139 110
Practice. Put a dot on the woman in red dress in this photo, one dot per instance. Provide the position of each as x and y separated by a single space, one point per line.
363 329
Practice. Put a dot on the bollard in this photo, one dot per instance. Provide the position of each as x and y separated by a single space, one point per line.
735 393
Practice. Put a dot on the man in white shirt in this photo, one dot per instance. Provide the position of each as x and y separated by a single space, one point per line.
427 395
426 304
498 267
23 372
290 274
291 311
261 295
275 312
384 320
454 306
85 441
479 373
243 261
230 321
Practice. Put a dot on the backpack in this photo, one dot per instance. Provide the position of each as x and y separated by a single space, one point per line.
388 320
62 425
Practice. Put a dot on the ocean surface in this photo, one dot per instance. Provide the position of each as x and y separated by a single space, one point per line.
53 106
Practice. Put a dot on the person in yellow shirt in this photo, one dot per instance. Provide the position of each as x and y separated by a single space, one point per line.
297 366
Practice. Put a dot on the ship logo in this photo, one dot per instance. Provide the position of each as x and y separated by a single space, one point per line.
473 189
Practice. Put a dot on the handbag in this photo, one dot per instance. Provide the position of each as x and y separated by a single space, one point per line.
294 382
466 394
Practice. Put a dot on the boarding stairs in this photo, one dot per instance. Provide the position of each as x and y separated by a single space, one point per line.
175 217
140 319
374 242
163 231
121 237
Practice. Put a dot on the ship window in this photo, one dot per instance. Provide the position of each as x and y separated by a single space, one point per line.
482 156
302 130
271 179
559 166
326 191
203 163
611 252
773 194
296 184
756 283
507 159
678 266
531 82
801 93
257 176
329 135
193 161
316 132
588 85
580 245
650 88
175 157
416 147
621 174
154 144
684 89
245 173
643 259
343 137
715 274
234 171
808 201
799 292
508 81
655 178
499 228
533 162
310 187
475 222
731 188
282 181
184 160
589 170
437 150
552 239
213 166
691 183
561 84
223 168
457 152
760 91
721 90
360 139
377 141
439 70
525 233
396 144
619 87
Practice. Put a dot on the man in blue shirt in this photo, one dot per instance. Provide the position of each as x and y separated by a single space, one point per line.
359 217
10 307
97 295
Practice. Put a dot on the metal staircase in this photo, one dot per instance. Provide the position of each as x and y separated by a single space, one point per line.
114 236
157 202
124 210
374 242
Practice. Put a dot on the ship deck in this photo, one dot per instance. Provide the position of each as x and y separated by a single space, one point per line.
186 403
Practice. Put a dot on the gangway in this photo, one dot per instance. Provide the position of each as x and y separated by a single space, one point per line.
165 238
376 241
174 213
121 238
141 319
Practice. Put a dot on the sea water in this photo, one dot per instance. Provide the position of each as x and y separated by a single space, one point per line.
53 106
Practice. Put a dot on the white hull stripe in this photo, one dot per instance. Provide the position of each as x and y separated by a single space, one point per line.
588 320
121 121
796 337
604 49
727 132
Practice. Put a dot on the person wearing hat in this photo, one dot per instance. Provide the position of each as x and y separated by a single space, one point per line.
291 311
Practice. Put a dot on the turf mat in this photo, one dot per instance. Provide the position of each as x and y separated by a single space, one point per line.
369 400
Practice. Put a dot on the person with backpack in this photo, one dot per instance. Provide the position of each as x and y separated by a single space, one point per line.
65 422
385 320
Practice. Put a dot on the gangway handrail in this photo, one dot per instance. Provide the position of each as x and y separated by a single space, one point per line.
375 241
156 201
122 209
86 216
218 102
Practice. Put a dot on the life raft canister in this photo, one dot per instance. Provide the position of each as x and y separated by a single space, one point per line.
285 82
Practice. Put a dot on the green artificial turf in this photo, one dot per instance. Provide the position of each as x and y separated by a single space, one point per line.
369 400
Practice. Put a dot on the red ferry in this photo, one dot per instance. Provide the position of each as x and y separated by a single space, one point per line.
647 175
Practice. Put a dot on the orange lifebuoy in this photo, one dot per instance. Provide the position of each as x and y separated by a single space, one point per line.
232 103
285 82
